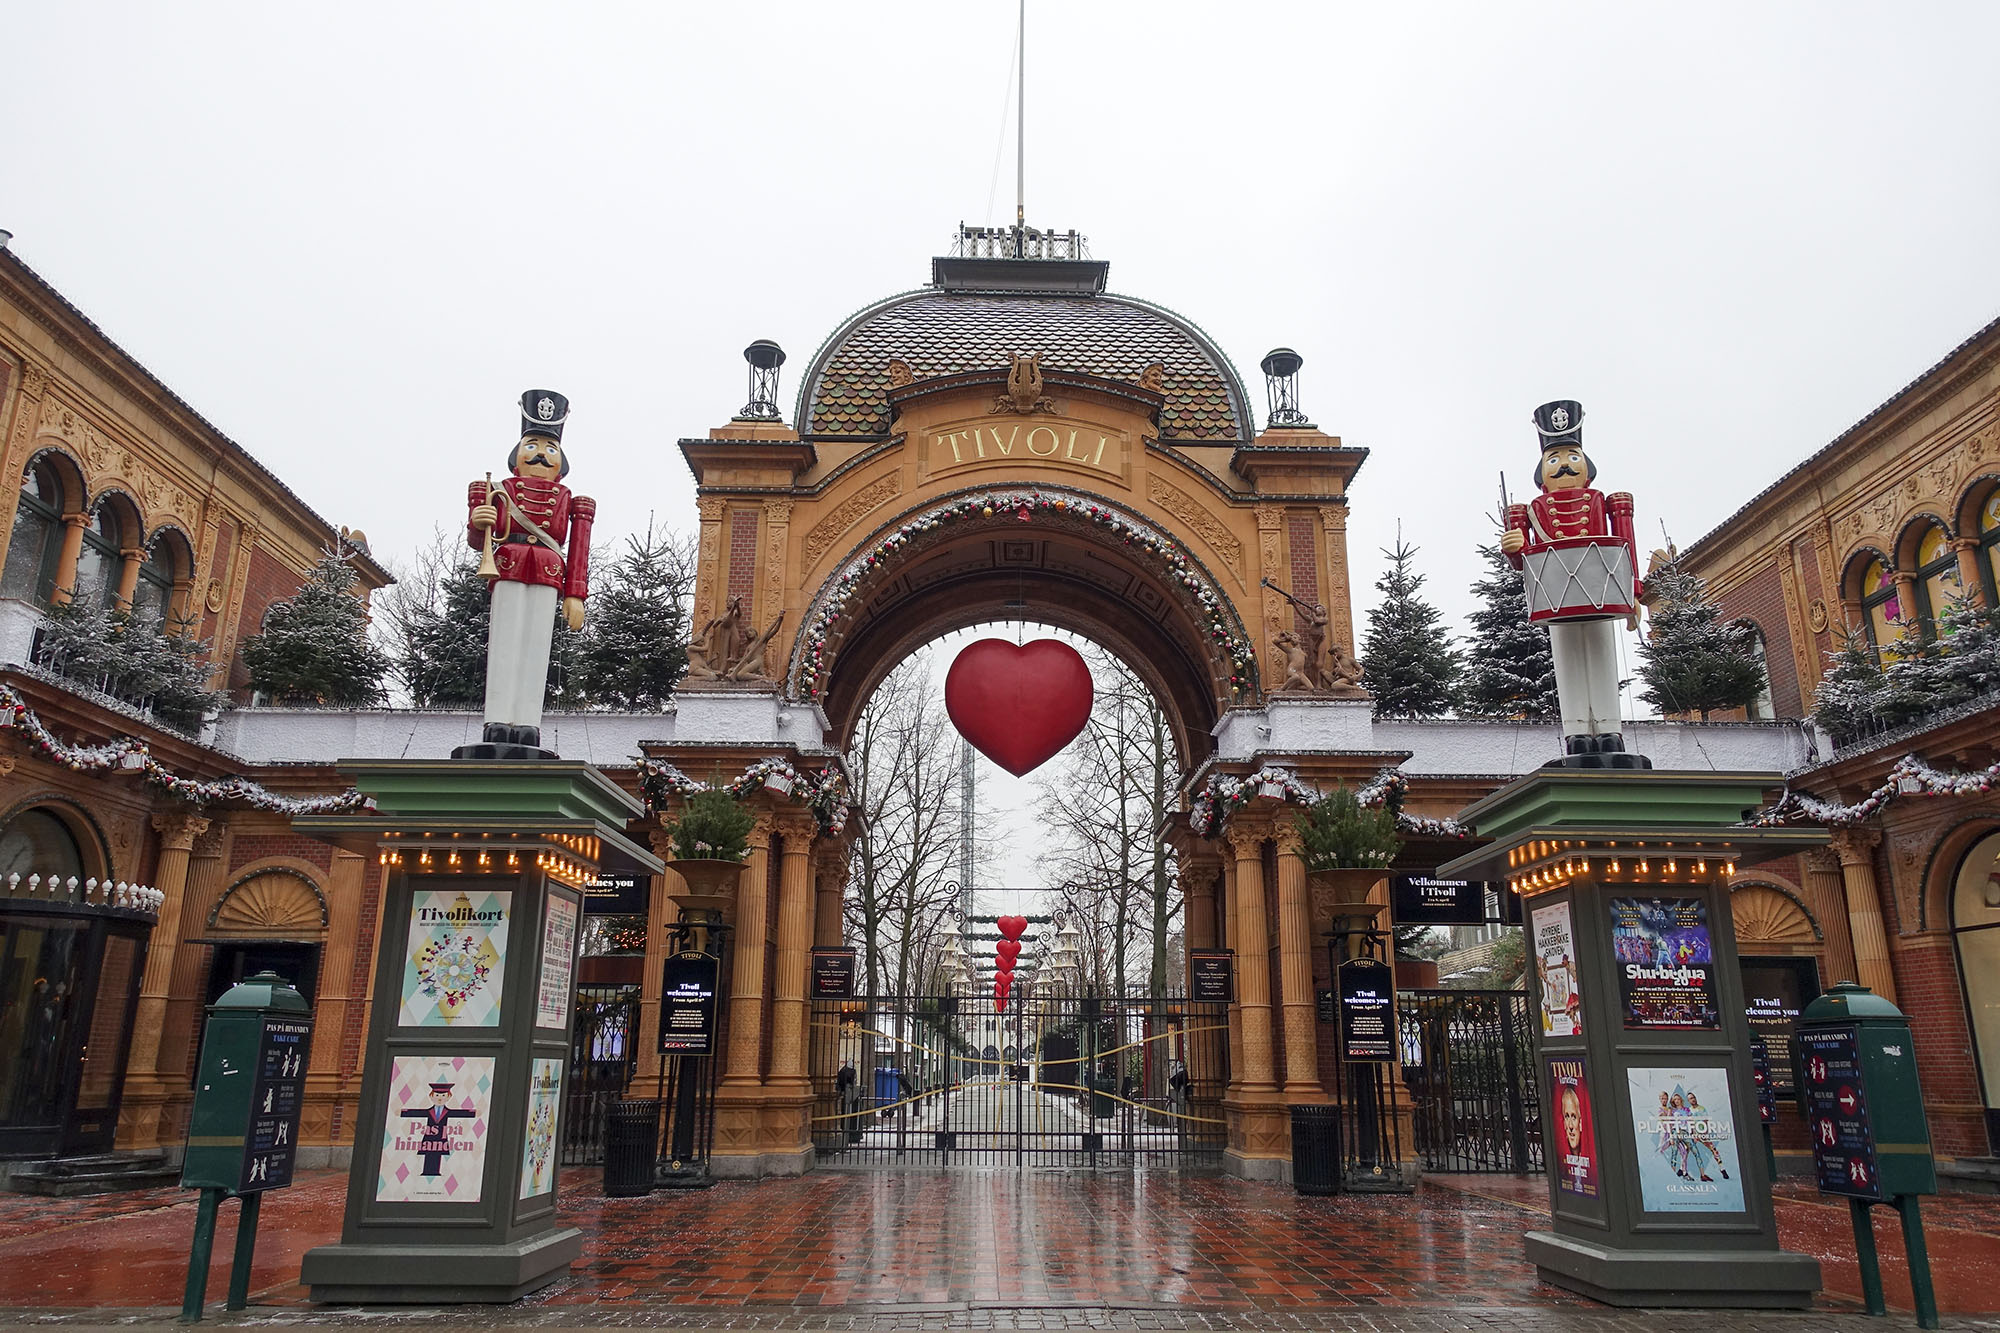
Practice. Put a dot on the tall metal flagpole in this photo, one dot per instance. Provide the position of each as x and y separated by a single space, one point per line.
1021 139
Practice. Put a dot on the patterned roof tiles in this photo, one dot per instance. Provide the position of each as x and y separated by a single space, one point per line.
942 333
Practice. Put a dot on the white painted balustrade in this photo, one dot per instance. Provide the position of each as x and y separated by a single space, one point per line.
103 894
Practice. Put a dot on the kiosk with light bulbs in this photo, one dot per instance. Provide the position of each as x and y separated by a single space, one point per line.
1658 1195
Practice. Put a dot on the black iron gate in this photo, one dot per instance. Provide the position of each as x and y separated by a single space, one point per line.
1053 1082
1469 1063
601 1057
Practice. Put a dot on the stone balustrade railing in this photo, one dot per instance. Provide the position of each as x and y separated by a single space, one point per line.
74 891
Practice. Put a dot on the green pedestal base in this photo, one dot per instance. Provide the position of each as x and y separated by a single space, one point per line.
439 1274
1709 1279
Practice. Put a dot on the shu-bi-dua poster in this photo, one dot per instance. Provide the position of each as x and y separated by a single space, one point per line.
1666 962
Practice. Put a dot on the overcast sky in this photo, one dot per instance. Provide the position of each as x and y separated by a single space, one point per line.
352 235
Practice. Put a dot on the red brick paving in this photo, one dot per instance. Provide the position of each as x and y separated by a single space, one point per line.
1035 1240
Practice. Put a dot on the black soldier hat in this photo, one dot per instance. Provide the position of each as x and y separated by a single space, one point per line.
1559 423
543 412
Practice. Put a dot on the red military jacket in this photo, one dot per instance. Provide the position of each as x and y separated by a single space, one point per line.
1561 515
523 557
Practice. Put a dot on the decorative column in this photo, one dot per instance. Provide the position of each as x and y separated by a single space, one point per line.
831 889
1339 605
128 575
741 1070
1967 549
72 551
1906 593
1205 1046
1253 968
177 831
794 939
1828 900
344 887
1226 925
1856 849
1295 971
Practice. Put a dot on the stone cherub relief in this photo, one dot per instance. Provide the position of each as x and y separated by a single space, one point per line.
725 649
1024 388
1310 666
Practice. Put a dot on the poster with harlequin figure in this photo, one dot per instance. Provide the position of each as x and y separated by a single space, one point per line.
434 1133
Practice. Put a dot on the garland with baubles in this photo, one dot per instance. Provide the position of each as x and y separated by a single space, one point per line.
1910 776
130 755
1025 505
1222 796
823 791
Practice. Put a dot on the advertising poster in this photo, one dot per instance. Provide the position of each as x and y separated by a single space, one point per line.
552 997
1666 971
434 1136
457 958
1555 966
1774 991
1684 1131
1576 1130
538 1146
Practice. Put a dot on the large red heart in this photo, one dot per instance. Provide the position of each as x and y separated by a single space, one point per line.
1007 951
1013 927
1018 705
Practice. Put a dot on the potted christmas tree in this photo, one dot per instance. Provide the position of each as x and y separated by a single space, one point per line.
1347 847
711 839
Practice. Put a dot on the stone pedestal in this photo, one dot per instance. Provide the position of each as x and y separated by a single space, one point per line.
452 1190
1658 1189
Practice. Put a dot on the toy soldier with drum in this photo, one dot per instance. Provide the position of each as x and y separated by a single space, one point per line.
1574 547
533 536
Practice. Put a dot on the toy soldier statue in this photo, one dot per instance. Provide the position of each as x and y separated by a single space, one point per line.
1574 547
534 539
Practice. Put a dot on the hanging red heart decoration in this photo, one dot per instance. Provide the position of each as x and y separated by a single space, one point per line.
1007 951
1018 704
1004 979
1012 927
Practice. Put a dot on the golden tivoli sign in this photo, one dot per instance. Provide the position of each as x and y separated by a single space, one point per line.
1078 445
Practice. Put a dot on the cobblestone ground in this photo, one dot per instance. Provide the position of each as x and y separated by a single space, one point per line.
978 1250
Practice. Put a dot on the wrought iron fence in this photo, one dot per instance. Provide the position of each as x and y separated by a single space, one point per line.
600 1064
1469 1064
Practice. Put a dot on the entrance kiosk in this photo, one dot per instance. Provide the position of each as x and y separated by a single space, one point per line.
1658 1193
452 1192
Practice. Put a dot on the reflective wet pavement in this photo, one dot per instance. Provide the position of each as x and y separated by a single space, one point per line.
1169 1251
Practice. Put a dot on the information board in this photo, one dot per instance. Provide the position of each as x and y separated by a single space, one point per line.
1425 900
1367 1010
1760 1071
832 973
1843 1142
1211 976
277 1097
1774 991
687 1004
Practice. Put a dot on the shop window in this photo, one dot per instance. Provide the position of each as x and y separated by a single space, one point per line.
1938 583
35 546
1881 605
1975 921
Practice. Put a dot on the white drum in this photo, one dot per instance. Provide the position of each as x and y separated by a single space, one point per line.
1578 578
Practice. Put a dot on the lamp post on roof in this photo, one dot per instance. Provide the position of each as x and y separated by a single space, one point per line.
764 358
1281 384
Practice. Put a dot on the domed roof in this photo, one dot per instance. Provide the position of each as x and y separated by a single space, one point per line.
941 332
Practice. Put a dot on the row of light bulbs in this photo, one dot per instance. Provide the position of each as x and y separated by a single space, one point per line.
558 867
1570 866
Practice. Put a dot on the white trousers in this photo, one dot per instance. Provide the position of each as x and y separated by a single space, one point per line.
1586 661
523 625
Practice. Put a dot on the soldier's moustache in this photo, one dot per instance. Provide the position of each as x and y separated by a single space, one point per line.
1566 471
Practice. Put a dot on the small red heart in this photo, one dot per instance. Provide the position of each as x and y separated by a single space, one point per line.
1012 927
1005 976
999 1004
1018 704
1007 951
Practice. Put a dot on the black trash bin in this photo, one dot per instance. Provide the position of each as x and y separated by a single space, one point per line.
1316 1149
631 1141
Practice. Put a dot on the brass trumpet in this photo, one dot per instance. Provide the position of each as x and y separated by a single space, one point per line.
489 568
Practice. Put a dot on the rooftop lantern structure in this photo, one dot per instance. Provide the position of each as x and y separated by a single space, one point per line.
1281 382
764 358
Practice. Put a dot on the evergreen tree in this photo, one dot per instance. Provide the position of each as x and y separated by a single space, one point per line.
1849 698
1694 661
1971 633
132 656
636 650
1411 666
1919 678
1509 671
442 653
314 648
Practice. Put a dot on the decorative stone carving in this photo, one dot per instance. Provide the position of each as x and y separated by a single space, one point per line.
725 649
1205 524
1765 915
1153 378
275 902
863 502
1024 389
900 373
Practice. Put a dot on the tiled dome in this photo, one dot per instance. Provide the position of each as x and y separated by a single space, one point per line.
845 393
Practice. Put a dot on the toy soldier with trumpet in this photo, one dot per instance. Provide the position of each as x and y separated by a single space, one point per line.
1574 547
533 537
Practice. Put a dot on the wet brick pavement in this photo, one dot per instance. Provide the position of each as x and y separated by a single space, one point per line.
981 1250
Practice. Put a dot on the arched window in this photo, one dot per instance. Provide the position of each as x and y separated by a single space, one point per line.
100 562
1938 584
1881 606
155 589
1989 547
36 842
1975 922
36 543
1761 709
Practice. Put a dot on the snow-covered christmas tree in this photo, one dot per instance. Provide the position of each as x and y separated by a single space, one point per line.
1918 677
1970 632
1412 666
441 655
1509 672
635 651
1694 661
131 656
1850 694
314 647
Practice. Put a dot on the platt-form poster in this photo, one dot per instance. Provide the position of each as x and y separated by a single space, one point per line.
552 1001
1555 966
434 1135
538 1146
1684 1131
456 962
1575 1161
1666 969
